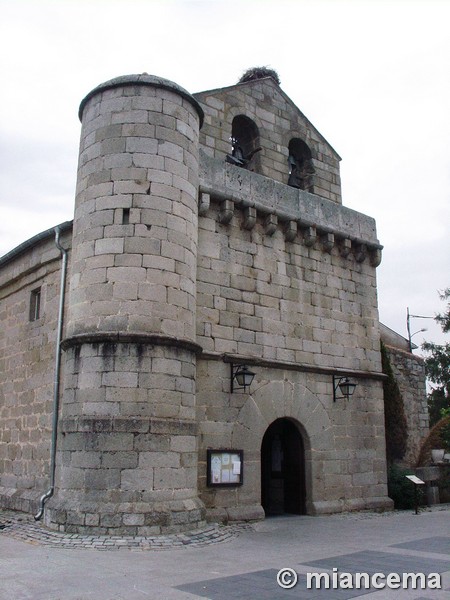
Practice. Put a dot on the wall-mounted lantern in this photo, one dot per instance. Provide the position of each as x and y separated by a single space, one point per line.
241 377
345 386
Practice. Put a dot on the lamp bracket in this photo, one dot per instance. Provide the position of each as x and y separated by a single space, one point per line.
240 371
339 382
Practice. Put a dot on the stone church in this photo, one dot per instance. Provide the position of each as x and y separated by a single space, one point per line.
202 342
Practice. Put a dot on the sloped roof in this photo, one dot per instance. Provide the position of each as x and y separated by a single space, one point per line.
394 339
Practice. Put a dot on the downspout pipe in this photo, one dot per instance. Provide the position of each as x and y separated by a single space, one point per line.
56 382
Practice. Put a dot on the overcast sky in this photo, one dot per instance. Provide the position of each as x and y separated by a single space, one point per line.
372 76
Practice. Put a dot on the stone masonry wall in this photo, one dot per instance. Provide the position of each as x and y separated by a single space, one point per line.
27 366
409 372
345 458
279 297
278 122
138 156
128 444
263 293
129 396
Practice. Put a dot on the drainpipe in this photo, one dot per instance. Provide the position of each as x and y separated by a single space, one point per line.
51 490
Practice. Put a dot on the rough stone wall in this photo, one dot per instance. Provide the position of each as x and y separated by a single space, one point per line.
271 292
27 366
138 155
128 418
265 291
128 433
278 122
345 458
409 372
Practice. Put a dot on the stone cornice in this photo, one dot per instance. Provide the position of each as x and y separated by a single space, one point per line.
405 353
318 218
132 424
117 337
146 80
289 366
30 244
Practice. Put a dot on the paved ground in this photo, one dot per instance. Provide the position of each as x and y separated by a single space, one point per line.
239 562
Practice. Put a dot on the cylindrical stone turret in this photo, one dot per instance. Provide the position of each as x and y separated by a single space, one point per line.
135 226
128 444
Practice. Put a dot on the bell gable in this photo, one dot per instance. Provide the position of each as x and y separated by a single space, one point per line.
256 126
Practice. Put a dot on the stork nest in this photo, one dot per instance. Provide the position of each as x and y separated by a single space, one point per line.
259 73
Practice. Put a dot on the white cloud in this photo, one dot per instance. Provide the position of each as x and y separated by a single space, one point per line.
371 75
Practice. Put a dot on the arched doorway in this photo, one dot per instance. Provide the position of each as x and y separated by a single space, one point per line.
283 469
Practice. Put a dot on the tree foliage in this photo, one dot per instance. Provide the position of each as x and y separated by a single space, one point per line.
396 426
444 318
437 405
437 366
438 437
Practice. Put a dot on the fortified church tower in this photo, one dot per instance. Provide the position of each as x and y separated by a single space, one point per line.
209 235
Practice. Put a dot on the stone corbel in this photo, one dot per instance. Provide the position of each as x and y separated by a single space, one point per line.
226 212
360 253
270 224
249 217
345 247
203 204
290 231
309 236
328 242
375 257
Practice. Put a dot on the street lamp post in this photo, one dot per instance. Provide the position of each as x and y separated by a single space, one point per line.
409 316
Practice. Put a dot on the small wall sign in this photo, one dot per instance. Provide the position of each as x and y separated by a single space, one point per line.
415 479
224 467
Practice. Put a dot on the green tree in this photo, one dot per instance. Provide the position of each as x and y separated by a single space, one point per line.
437 366
438 404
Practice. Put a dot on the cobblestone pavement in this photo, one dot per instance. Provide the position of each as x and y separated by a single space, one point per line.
23 527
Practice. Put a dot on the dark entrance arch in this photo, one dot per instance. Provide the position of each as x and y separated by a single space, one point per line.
283 469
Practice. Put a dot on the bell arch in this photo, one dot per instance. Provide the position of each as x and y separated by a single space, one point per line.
244 143
301 169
